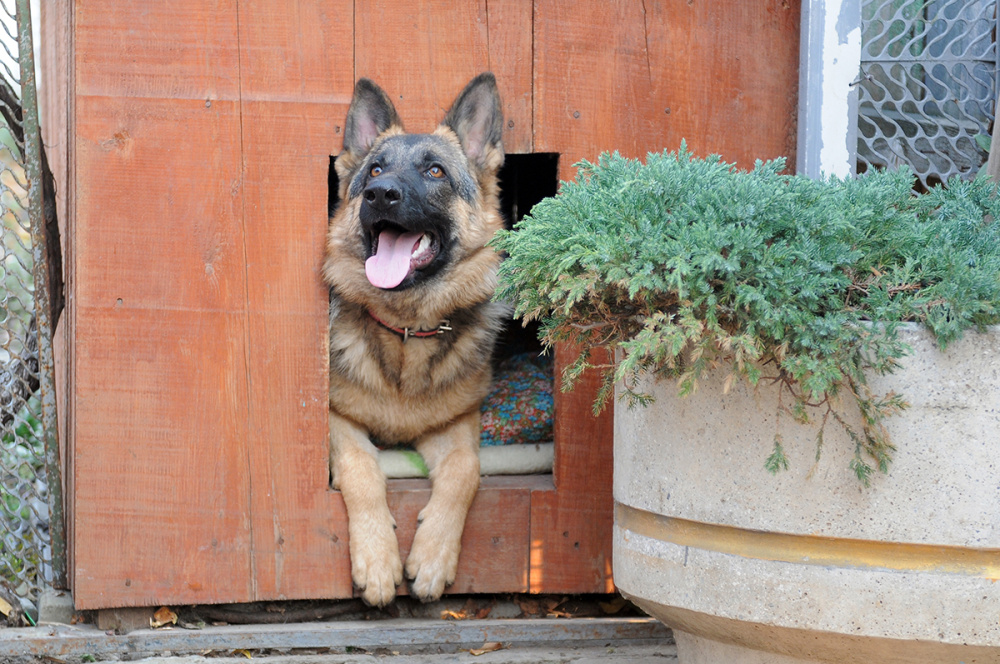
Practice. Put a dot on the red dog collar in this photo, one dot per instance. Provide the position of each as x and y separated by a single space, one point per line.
406 332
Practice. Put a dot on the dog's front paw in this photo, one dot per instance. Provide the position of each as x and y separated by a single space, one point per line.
433 561
376 567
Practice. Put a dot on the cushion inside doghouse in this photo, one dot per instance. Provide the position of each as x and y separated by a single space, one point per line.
517 418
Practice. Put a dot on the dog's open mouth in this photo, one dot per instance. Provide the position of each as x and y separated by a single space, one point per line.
398 253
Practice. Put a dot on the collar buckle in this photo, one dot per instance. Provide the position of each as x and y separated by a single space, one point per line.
406 332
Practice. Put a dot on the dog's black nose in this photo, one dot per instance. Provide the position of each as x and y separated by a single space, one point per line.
382 193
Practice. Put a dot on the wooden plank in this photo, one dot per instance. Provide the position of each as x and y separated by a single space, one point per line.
63 641
571 527
423 52
494 554
296 83
171 50
148 530
299 52
54 107
159 376
509 37
639 76
495 545
55 45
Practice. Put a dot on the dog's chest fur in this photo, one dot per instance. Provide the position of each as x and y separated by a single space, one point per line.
400 390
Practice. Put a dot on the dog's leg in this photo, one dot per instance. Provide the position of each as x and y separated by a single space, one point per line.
375 564
452 455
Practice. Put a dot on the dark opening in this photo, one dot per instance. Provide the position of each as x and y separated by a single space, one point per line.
333 188
525 179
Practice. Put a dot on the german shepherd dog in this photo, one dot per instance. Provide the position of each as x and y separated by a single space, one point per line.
412 324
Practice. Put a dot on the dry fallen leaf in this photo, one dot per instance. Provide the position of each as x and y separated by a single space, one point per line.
5 607
614 606
472 609
551 606
163 616
491 646
529 607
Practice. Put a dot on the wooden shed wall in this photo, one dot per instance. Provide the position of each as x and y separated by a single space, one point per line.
193 140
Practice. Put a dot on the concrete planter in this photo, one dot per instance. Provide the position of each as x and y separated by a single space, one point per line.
808 565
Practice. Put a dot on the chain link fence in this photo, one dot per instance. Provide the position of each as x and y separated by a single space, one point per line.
928 85
29 477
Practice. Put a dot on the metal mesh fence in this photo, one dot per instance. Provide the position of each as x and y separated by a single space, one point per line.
25 542
928 87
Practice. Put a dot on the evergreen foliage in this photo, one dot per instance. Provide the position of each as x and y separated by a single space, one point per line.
681 264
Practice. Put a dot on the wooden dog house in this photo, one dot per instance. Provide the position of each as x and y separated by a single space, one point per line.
191 143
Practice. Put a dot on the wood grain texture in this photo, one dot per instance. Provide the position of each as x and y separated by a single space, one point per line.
160 391
494 554
510 51
637 76
54 108
168 50
571 525
495 543
296 67
423 52
546 640
200 137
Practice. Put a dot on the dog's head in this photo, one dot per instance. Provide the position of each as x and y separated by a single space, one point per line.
417 209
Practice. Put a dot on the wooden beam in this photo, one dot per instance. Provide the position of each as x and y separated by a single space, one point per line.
66 641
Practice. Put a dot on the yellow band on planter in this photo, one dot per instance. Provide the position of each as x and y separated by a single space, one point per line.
810 549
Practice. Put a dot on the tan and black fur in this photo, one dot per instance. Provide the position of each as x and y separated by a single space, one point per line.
398 388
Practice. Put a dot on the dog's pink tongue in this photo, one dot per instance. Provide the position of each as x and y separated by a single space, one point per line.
391 262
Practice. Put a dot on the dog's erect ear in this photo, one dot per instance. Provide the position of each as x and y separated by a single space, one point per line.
370 114
476 116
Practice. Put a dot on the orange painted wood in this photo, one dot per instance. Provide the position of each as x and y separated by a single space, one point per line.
637 77
423 52
510 43
296 79
160 415
571 525
199 138
176 50
160 481
495 540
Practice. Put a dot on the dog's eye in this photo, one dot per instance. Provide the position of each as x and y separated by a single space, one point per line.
375 171
435 172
